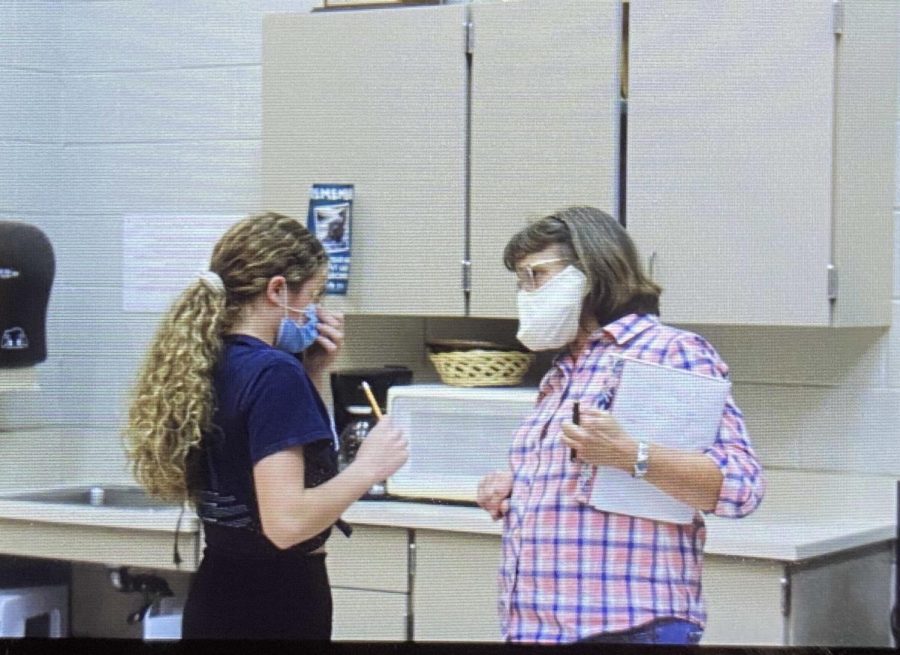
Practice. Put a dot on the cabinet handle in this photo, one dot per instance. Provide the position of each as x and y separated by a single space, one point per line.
651 264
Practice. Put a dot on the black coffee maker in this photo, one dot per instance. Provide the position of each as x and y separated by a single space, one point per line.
346 389
353 415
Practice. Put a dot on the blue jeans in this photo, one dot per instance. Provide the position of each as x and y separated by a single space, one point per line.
658 631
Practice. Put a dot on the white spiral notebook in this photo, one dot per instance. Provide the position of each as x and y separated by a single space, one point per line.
668 406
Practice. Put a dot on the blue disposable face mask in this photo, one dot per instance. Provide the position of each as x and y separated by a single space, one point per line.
294 337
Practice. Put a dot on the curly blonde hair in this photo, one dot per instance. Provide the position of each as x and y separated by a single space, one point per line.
173 401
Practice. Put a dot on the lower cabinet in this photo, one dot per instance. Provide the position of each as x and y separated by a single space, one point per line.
841 599
369 574
399 584
455 592
363 615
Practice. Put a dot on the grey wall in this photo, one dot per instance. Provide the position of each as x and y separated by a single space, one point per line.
110 107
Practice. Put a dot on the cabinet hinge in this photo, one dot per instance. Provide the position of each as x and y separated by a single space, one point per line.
837 11
832 282
466 275
786 594
470 37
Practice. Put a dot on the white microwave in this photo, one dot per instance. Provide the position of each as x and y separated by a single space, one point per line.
456 435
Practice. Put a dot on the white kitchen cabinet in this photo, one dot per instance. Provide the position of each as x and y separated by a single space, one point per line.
369 576
545 109
455 587
363 615
760 154
759 147
840 599
843 599
376 99
455 124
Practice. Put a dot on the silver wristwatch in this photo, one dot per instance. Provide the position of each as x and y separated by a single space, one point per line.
642 463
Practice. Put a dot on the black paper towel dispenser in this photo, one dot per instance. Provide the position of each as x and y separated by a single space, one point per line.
27 268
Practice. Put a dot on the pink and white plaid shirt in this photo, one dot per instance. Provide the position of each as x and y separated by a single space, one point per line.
570 570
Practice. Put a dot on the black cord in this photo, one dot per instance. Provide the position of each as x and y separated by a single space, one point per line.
176 556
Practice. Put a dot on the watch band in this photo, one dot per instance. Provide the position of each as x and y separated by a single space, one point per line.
642 462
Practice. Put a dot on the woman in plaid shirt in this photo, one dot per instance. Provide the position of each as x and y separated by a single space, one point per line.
569 571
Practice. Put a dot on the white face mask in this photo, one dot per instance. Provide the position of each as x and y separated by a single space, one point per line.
548 317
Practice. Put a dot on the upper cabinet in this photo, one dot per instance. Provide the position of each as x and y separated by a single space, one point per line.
375 98
760 154
455 124
754 163
545 110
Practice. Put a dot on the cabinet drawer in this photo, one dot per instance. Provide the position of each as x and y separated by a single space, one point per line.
372 558
361 615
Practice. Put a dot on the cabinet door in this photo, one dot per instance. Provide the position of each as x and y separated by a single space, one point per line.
544 126
455 588
362 615
373 558
743 599
377 99
729 157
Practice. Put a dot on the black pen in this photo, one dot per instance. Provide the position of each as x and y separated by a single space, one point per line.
576 418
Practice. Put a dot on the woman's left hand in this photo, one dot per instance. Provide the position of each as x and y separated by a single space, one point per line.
600 440
321 355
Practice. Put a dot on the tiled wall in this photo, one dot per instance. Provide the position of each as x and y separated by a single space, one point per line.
110 107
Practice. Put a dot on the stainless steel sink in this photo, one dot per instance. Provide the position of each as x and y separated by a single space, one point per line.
120 497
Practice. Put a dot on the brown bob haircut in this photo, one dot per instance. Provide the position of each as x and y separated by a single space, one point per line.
602 250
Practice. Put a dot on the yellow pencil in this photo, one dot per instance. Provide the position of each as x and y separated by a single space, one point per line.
368 392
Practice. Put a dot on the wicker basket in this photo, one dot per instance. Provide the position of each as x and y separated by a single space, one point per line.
481 365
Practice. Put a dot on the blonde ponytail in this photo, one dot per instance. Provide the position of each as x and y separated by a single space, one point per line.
173 402
173 399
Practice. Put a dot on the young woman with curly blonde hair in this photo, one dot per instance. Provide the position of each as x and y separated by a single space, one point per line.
227 416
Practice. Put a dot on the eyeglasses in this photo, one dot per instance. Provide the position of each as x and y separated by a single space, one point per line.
533 276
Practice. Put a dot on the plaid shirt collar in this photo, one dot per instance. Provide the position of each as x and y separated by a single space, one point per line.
621 331
626 328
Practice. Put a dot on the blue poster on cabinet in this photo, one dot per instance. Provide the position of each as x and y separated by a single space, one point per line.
330 210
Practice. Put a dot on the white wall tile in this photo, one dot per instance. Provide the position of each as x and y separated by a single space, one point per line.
86 247
150 34
25 463
30 34
814 356
775 418
29 178
100 458
854 430
202 176
29 106
198 104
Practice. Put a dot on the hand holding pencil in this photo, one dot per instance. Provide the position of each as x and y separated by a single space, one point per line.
385 449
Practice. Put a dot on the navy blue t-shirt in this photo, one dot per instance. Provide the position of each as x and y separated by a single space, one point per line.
265 402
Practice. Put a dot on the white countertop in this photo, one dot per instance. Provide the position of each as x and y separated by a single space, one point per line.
101 517
145 518
803 515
